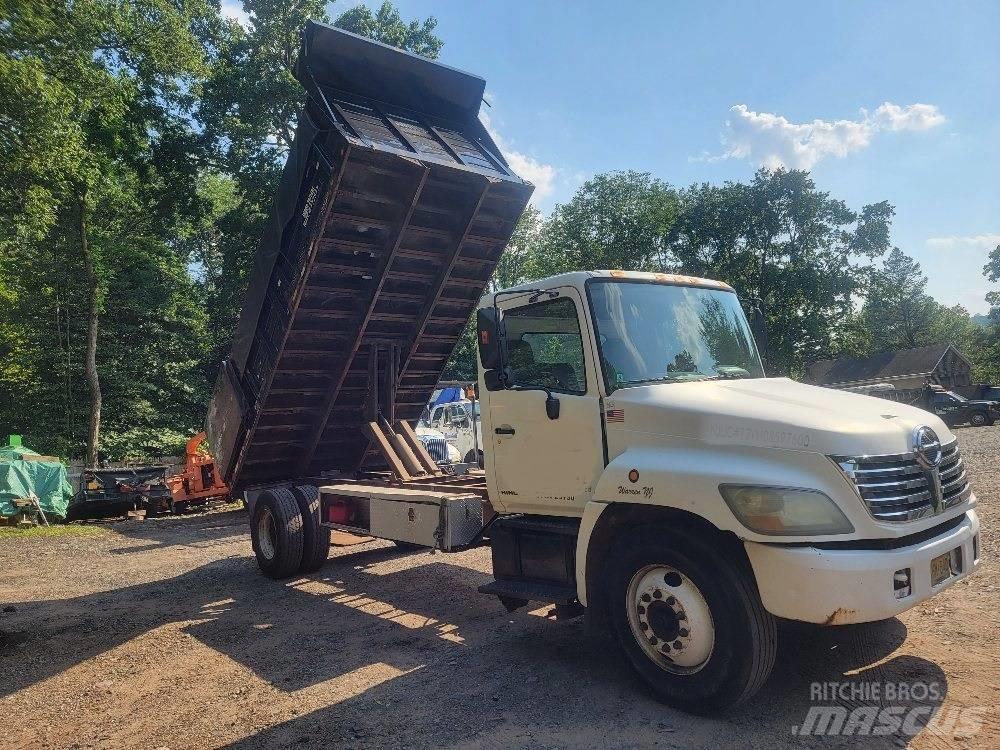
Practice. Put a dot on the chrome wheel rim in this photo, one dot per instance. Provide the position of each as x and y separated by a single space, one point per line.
670 619
266 534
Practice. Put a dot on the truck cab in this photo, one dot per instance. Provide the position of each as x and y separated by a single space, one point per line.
638 455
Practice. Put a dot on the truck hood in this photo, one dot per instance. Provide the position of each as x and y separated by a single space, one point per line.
771 413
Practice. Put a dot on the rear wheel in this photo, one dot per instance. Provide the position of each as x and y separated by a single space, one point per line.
689 619
315 537
980 419
276 533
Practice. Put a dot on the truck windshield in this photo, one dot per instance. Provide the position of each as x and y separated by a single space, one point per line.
650 332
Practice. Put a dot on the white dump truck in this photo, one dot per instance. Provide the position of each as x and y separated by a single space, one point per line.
639 466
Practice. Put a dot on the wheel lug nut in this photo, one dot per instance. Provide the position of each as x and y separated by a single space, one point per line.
658 594
646 598
671 601
678 644
683 633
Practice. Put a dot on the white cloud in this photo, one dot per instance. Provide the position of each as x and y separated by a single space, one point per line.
541 175
233 10
965 242
914 117
774 141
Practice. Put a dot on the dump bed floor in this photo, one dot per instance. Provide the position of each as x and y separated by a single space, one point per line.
398 220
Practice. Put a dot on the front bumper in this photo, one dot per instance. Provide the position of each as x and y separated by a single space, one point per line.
838 587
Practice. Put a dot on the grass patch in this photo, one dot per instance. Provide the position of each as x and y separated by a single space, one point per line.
55 530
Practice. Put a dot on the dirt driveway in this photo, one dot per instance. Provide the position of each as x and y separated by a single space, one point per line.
161 634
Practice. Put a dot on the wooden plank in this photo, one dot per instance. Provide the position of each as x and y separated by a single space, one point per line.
443 274
391 457
418 447
403 451
326 409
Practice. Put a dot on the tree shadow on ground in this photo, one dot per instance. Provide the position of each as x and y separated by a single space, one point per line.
457 670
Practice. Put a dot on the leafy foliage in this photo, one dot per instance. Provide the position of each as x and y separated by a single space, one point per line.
141 143
795 255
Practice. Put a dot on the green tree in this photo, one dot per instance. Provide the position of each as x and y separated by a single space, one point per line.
117 78
795 255
618 220
898 311
385 25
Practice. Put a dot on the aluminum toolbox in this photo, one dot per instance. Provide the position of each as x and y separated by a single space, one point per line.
393 210
443 520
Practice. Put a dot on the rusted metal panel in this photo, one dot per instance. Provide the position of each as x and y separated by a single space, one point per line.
392 213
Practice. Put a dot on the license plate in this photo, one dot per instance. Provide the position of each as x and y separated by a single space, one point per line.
940 568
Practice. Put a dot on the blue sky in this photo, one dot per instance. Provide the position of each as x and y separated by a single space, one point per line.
698 92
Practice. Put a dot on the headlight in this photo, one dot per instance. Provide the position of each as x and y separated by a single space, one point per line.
785 511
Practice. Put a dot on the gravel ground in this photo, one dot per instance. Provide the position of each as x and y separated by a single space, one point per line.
161 634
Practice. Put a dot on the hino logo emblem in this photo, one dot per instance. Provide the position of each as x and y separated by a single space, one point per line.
926 447
927 451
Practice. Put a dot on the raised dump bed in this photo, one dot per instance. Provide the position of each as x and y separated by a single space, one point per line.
393 210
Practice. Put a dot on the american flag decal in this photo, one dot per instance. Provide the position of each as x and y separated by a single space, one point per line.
615 415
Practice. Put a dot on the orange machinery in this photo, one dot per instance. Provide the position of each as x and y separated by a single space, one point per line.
200 481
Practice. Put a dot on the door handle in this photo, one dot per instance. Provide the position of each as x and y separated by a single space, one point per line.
505 430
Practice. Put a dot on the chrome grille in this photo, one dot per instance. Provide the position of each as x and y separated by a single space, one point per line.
897 488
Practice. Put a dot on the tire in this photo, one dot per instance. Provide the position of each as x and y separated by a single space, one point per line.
474 457
669 583
276 533
315 537
980 419
152 508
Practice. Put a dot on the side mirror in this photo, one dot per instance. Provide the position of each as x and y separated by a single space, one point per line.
492 380
488 337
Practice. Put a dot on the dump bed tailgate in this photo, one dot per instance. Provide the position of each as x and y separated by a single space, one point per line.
393 210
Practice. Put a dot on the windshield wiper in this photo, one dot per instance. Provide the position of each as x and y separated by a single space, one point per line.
731 372
677 377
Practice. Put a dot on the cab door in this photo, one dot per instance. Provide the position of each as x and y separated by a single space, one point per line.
539 464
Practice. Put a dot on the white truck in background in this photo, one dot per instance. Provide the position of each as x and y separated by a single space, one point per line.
460 423
639 465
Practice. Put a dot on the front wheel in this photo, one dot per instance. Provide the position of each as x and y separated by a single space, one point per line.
689 619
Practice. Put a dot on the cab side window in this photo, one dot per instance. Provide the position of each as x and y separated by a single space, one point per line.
545 346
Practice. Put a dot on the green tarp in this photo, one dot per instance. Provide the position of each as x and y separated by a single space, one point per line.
21 475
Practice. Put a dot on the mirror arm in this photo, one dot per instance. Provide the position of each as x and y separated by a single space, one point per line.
551 402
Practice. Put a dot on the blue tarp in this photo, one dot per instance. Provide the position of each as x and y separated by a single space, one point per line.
448 395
